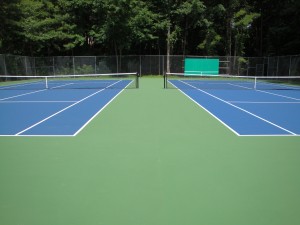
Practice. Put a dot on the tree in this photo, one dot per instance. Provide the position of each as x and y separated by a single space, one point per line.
214 39
241 24
281 27
45 27
9 15
143 25
207 27
177 20
190 15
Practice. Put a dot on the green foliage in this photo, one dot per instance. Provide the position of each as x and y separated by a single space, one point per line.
60 27
143 23
85 69
9 14
209 44
45 25
242 21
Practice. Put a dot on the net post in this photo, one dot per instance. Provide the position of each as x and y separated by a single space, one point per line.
137 85
166 80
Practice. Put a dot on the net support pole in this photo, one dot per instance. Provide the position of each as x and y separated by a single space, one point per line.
165 80
137 80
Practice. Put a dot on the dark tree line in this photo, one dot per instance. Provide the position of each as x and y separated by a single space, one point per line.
182 27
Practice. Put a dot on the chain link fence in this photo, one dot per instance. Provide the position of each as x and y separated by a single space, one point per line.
144 65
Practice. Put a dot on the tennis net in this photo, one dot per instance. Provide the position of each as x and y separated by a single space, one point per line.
86 81
224 81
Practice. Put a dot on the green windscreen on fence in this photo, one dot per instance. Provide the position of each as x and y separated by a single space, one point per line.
200 66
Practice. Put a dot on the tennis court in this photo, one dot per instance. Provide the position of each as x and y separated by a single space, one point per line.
245 107
61 106
151 156
136 112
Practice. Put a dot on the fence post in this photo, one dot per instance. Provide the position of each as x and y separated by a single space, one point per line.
277 66
248 67
5 69
268 66
25 64
53 65
73 59
290 65
140 65
95 64
163 64
34 63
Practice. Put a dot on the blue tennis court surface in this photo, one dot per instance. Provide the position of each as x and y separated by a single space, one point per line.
248 112
53 112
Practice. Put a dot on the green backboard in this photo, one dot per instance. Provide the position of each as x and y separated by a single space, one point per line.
200 66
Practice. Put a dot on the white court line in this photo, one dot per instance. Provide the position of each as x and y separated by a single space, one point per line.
252 114
72 135
3 102
80 129
284 96
63 85
28 93
34 125
279 86
248 102
236 133
267 92
240 86
19 85
26 135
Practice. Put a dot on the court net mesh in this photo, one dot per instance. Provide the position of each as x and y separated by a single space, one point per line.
86 81
224 81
